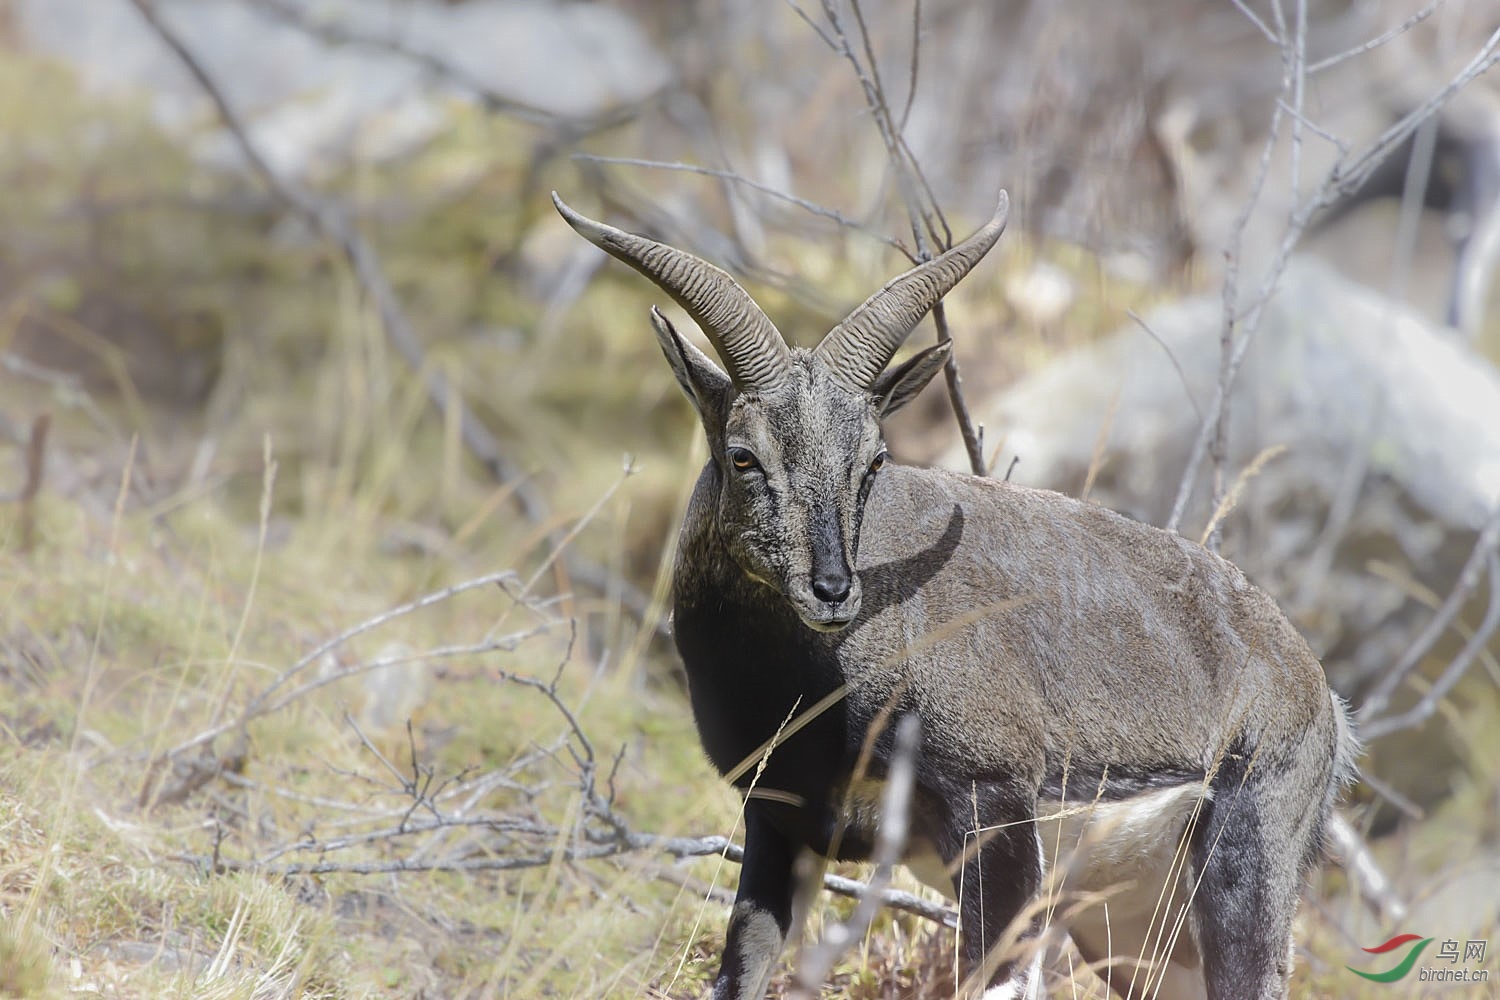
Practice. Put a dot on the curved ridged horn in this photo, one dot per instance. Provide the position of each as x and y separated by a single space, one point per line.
746 340
858 349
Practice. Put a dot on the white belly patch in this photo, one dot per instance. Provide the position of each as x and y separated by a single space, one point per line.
1138 840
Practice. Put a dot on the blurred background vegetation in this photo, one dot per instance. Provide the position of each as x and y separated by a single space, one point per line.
216 453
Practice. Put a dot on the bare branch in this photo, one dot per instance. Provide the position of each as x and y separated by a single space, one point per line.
518 837
923 212
1346 175
737 178
1422 710
1354 173
677 847
1468 578
1377 41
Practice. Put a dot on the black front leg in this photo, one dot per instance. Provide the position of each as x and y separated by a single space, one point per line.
762 914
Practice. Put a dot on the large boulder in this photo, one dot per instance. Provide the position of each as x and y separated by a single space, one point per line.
316 102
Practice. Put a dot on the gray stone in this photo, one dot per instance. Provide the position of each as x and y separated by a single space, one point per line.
314 105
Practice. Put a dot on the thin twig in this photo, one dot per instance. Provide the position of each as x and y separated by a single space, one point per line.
912 69
1377 41
1404 805
1254 19
1422 710
1341 507
1187 387
822 211
1353 174
1468 578
972 436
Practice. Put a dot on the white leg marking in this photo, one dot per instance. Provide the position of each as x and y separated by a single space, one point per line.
1026 985
760 944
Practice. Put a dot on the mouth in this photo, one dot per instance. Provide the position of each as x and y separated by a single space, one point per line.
820 616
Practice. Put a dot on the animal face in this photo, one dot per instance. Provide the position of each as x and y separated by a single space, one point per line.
794 434
797 465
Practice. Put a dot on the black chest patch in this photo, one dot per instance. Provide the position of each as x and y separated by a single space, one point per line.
752 676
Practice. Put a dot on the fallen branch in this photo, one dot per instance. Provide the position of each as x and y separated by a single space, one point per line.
427 811
676 847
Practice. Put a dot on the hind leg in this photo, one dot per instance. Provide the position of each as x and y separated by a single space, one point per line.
997 857
1249 854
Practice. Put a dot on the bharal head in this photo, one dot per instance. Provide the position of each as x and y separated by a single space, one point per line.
794 434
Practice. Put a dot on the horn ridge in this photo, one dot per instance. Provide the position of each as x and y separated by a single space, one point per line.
752 349
857 350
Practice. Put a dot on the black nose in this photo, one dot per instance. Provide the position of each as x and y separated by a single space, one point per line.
832 587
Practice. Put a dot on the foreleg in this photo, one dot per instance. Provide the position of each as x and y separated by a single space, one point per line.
762 915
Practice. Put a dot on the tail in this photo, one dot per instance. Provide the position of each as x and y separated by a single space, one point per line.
1347 749
1344 772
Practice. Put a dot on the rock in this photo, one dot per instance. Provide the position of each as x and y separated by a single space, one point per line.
1334 364
313 104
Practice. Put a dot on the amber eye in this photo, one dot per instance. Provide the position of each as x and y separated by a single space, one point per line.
741 459
878 463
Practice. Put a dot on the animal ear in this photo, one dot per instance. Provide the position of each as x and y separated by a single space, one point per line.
900 385
704 382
